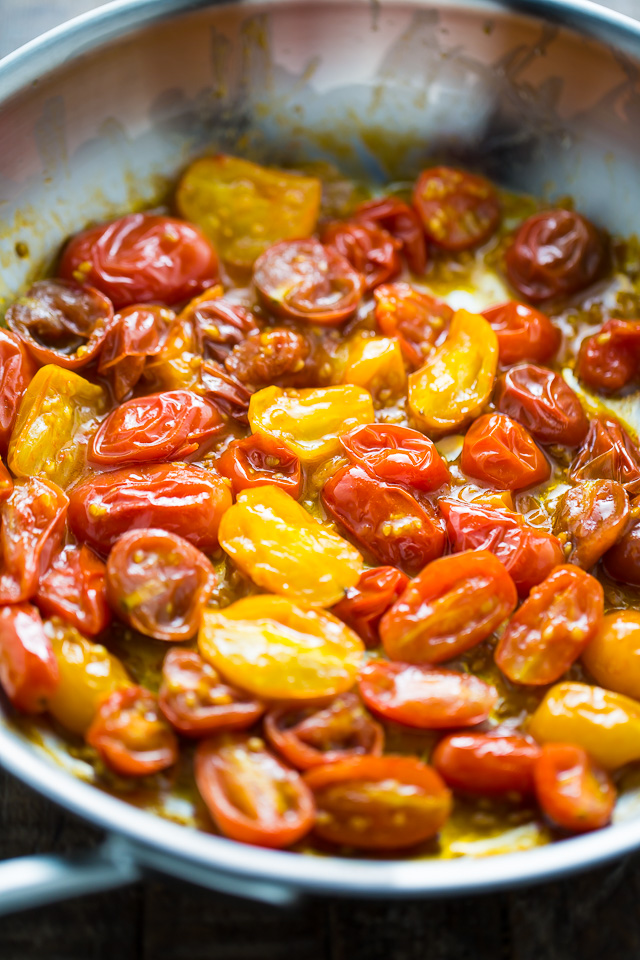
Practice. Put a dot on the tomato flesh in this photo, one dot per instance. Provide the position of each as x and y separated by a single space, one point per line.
131 735
458 210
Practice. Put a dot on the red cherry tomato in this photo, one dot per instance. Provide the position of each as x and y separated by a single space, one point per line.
523 332
499 762
426 697
308 736
219 324
304 280
454 604
554 254
542 402
6 483
158 583
609 360
552 627
142 258
498 451
622 560
590 518
131 735
261 459
73 587
608 453
378 803
403 223
251 795
277 357
16 370
528 554
396 455
364 605
415 318
458 210
29 672
197 702
385 520
369 248
572 790
175 497
164 426
136 333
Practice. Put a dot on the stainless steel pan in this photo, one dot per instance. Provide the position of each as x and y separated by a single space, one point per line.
542 95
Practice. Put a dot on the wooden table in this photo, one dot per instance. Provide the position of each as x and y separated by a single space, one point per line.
590 917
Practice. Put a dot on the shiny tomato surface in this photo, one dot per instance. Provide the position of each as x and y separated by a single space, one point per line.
261 459
368 600
608 453
496 762
73 586
29 671
458 210
413 316
523 332
396 455
608 360
403 223
571 789
542 402
498 451
369 248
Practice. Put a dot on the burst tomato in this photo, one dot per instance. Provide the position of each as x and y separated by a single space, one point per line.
622 560
523 333
572 790
258 460
608 360
29 673
542 402
131 735
396 454
403 223
498 451
414 317
608 453
277 357
458 210
73 587
16 370
219 324
497 762
138 332
365 603
369 248
589 519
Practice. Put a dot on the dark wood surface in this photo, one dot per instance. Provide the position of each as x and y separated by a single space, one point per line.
595 916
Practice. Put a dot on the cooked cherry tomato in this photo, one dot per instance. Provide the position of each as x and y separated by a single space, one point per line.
554 254
131 735
219 323
622 560
571 789
425 697
136 333
29 672
458 210
456 381
542 402
396 455
245 208
384 519
142 258
609 360
251 795
225 391
608 453
498 451
277 357
378 803
16 370
402 223
197 702
158 583
73 587
258 460
589 519
369 248
523 332
6 483
375 363
308 736
365 603
498 762
452 605
415 317
613 655
280 651
176 497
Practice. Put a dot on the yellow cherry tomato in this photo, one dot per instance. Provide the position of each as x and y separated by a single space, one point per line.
279 650
88 674
57 415
310 422
273 539
456 381
177 365
605 724
244 208
375 363
613 656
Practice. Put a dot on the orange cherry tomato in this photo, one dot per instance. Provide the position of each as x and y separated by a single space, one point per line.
542 402
613 656
590 518
497 762
16 370
384 519
6 483
137 332
458 210
609 359
552 627
414 317
308 736
365 603
251 795
622 560
608 453
452 605
572 790
142 258
378 803
73 587
304 280
498 451
131 735
426 697
197 702
369 248
396 454
259 459
29 672
523 333
158 583
403 223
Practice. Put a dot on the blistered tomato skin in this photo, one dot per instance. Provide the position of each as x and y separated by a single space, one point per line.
622 560
369 248
542 402
74 587
368 600
137 332
403 223
590 518
572 790
16 370
258 460
219 323
608 453
612 658
396 454
489 763
458 210
413 316
523 332
608 360
498 451
29 673
454 604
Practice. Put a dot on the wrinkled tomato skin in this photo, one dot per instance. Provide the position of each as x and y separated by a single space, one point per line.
552 627
29 672
197 702
396 454
622 560
365 604
608 360
277 357
608 453
370 249
137 332
403 223
142 258
309 736
178 498
572 790
523 333
73 587
16 370
364 507
451 606
414 317
259 459
219 324
429 698
487 763
542 402
554 254
498 451
590 518
458 210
